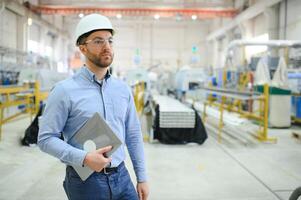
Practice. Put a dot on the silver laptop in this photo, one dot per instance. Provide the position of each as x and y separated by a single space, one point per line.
95 134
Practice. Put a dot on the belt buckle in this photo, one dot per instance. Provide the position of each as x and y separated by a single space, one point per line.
105 171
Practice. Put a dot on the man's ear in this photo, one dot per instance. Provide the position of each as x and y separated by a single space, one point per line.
82 49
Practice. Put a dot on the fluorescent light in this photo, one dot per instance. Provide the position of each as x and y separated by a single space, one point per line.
119 16
81 15
29 21
194 17
156 16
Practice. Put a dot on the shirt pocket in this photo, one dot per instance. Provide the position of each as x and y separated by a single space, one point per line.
120 107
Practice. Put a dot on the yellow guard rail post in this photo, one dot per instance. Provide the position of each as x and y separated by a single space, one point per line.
261 118
20 95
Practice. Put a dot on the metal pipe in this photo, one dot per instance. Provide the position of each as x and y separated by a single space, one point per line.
270 43
231 91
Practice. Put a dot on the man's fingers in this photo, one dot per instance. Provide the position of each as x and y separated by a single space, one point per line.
108 160
104 149
140 195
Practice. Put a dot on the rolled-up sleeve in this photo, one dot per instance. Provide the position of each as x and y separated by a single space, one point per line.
134 141
51 125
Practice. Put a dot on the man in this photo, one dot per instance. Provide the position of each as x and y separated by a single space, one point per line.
73 101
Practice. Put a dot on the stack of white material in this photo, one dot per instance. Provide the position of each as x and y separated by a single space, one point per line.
174 114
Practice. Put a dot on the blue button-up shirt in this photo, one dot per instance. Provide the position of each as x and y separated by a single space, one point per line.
73 101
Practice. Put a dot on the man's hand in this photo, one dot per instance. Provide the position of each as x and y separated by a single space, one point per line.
96 159
143 190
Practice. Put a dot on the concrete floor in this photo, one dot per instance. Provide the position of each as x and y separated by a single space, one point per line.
211 171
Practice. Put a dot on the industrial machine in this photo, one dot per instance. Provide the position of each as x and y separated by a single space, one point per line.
188 81
272 70
255 95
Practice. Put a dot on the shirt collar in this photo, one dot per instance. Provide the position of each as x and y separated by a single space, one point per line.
91 76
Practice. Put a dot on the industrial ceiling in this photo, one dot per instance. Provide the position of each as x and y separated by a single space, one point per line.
201 9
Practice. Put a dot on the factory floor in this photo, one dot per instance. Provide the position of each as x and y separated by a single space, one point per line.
211 171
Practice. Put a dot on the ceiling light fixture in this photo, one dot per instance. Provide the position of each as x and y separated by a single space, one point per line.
194 17
156 16
81 15
29 21
119 16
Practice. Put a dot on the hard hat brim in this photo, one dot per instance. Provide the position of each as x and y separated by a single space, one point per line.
89 33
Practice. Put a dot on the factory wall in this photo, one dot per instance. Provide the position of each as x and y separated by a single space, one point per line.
265 23
148 42
217 47
151 42
53 45
142 43
290 20
45 36
169 43
8 33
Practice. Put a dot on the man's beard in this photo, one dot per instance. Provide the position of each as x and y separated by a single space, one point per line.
97 61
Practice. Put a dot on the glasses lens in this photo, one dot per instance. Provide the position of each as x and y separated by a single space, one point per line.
100 42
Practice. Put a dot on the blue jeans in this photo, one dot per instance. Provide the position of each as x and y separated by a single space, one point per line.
116 185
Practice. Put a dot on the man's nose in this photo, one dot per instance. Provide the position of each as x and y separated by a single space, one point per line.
107 44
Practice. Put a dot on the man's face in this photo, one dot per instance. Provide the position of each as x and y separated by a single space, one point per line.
98 48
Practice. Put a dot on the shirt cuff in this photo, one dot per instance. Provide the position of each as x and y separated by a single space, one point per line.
80 157
141 177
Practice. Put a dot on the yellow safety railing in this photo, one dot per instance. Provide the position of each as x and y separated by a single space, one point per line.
261 117
139 96
12 96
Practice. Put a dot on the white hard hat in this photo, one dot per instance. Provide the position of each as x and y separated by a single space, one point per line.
92 22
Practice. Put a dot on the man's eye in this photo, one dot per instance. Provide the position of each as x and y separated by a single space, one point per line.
98 42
